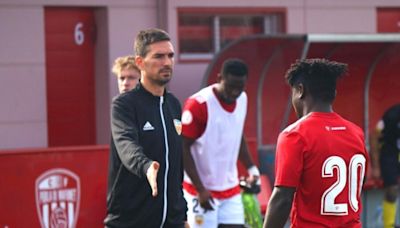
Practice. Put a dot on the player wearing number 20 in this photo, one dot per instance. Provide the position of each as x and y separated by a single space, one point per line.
321 159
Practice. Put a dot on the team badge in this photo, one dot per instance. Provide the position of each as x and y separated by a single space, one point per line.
178 126
187 117
199 219
57 198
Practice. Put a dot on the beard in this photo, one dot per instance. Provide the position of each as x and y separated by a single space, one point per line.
164 76
162 81
159 78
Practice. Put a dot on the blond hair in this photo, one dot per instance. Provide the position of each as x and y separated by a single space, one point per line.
124 62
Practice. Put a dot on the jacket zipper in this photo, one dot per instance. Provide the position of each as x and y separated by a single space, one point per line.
166 162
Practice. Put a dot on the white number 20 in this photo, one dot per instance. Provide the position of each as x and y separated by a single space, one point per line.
328 205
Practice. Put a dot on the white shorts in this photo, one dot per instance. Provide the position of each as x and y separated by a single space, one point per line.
226 211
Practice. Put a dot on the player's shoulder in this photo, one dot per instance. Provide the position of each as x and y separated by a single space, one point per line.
392 114
194 102
352 126
125 97
294 127
194 106
199 98
395 109
243 97
243 94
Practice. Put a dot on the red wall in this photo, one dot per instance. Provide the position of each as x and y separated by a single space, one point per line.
70 80
69 179
388 20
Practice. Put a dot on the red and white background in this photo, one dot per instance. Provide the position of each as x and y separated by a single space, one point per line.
53 188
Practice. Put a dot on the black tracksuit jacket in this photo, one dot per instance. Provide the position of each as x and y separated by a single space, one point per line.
143 130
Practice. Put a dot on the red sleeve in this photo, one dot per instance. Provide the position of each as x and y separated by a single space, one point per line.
289 159
194 118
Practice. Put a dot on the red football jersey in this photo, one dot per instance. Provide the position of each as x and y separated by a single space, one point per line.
323 156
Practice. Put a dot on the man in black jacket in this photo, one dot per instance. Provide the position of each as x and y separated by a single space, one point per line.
385 156
145 171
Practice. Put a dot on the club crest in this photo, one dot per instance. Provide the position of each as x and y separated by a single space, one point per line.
178 126
57 198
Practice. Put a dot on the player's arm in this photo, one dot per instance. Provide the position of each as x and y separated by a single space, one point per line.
244 155
247 161
279 207
194 120
375 151
125 135
288 167
191 171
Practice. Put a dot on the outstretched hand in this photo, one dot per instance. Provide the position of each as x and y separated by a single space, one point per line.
151 174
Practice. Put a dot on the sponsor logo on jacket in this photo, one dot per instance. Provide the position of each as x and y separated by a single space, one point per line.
148 127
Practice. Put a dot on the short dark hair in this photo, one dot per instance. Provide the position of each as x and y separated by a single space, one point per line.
318 76
235 67
149 36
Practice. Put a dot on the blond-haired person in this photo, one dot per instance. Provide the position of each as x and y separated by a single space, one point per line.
128 74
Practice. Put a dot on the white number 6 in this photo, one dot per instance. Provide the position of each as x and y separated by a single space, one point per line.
79 35
328 205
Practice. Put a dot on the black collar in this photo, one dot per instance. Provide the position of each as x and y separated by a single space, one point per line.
141 88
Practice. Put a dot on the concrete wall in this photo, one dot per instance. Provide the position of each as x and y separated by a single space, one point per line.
23 120
104 82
